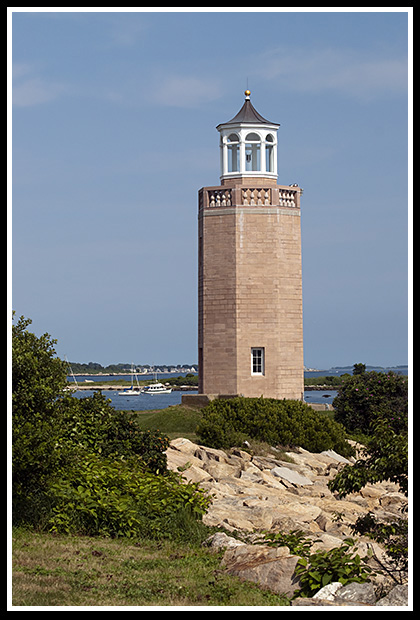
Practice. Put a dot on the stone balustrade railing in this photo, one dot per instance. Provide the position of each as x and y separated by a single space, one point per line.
279 196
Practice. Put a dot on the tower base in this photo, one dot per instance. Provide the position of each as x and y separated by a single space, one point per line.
201 400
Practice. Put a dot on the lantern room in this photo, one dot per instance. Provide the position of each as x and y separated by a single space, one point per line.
248 145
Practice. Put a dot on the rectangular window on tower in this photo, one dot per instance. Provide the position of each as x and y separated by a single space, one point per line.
257 360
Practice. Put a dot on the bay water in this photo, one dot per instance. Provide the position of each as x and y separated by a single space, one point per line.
147 402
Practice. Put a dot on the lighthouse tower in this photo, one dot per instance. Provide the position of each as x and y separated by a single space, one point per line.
250 336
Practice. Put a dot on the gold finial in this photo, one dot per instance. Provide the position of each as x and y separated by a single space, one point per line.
247 93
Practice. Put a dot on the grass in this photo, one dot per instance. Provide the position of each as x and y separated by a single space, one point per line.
175 421
180 421
75 571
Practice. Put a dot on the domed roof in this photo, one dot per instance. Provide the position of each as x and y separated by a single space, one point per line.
248 114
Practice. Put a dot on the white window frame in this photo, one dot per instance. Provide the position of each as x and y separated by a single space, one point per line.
257 361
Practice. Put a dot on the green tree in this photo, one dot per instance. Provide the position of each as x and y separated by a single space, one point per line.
362 396
359 369
92 425
385 456
38 378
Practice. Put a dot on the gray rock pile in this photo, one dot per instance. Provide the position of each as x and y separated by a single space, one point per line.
255 494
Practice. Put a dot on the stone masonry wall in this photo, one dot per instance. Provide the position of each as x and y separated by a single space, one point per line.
250 290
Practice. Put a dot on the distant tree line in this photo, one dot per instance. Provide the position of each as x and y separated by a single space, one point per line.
93 368
330 380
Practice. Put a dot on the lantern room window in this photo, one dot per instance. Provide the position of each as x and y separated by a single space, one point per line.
252 152
233 152
269 153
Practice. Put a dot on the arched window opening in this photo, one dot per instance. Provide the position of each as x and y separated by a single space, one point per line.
252 137
233 153
252 152
269 158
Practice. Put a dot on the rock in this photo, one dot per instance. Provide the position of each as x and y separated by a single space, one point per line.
271 568
219 471
335 456
252 494
220 540
337 595
324 522
327 593
371 491
392 498
210 454
314 602
245 456
356 593
186 464
183 445
325 542
397 597
291 476
302 513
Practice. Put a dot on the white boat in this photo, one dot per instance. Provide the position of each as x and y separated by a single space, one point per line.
157 388
133 391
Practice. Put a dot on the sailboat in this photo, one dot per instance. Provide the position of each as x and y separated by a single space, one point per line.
70 388
133 391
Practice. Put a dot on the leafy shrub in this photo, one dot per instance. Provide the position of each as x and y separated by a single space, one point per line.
323 567
295 540
362 396
226 423
94 425
316 570
385 457
392 534
98 496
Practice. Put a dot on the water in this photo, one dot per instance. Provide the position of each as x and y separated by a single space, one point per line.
138 402
146 402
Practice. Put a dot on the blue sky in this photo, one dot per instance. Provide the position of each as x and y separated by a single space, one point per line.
113 134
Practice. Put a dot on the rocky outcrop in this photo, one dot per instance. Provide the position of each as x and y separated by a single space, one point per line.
253 494
354 594
272 567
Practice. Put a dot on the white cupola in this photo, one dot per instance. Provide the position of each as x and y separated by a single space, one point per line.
248 145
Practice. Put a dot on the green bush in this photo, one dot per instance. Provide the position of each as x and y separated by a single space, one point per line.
227 423
392 534
93 424
316 570
323 567
385 457
111 497
362 396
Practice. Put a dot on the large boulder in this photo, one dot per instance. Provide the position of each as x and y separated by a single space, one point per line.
397 597
271 567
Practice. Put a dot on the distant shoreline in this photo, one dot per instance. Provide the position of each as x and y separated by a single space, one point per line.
334 370
186 388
